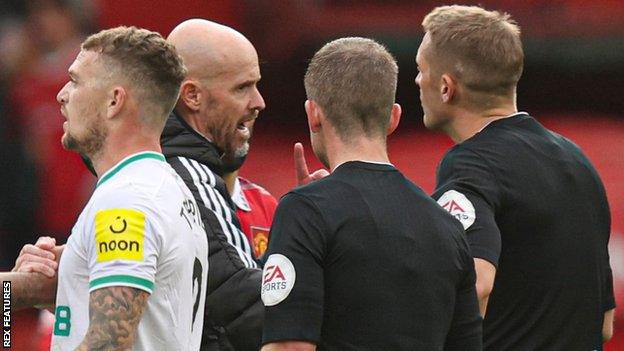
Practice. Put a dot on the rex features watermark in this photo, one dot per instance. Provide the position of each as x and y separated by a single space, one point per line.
6 314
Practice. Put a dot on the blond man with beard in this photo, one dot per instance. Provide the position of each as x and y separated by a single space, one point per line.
133 272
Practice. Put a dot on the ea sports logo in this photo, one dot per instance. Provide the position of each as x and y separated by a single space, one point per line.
278 279
452 206
458 205
273 273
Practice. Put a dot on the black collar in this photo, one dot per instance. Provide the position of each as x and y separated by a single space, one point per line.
179 139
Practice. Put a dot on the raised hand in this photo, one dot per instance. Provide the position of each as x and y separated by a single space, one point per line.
301 168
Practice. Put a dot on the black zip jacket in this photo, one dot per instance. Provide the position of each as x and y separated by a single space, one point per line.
234 312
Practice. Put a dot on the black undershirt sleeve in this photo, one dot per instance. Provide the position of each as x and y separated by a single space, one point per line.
297 233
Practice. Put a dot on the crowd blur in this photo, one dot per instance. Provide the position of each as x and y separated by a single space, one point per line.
574 66
43 186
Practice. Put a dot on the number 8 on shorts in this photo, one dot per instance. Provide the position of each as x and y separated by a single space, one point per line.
62 325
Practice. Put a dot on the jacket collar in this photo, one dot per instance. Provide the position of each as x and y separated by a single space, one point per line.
179 139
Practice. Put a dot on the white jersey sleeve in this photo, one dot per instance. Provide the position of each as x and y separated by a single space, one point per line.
125 244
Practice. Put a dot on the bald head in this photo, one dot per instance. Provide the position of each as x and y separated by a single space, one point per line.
219 96
210 49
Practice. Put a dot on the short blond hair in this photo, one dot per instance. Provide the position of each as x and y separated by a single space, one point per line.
147 61
481 48
354 82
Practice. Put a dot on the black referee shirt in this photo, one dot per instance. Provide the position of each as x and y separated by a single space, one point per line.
364 260
534 206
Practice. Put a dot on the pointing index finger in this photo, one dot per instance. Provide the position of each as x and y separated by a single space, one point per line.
301 167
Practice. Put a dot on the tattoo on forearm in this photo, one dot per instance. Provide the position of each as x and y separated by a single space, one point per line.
114 315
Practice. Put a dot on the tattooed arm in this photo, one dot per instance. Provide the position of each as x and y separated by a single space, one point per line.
114 315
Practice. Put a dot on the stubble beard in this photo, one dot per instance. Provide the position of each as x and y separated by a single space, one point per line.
90 145
234 161
242 151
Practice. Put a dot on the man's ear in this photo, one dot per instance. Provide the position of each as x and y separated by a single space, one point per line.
315 115
116 101
395 118
190 94
448 88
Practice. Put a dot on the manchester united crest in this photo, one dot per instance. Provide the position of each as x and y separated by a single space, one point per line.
260 240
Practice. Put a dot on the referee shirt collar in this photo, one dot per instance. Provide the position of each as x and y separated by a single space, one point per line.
363 161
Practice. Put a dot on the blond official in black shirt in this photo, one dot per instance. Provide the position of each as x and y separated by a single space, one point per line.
533 207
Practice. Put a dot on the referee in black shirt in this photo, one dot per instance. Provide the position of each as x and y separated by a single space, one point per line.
533 207
363 259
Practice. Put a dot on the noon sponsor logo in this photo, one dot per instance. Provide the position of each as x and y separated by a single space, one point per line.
122 245
278 279
119 234
6 312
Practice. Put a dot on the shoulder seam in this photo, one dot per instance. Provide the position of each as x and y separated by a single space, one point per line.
489 166
315 206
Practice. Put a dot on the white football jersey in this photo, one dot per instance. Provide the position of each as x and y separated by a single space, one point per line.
140 229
